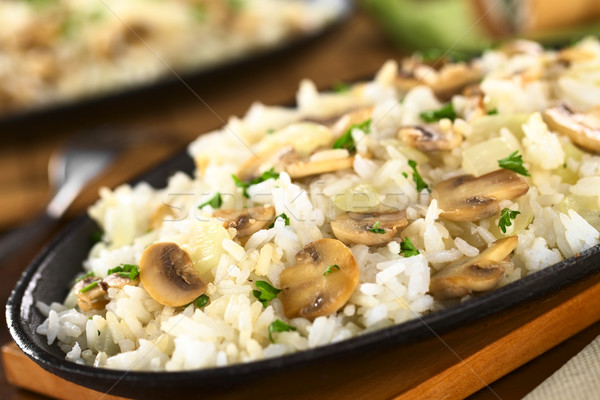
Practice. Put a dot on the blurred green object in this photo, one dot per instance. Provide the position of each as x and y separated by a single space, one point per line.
431 24
460 29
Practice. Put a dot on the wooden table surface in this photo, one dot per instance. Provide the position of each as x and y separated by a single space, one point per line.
354 50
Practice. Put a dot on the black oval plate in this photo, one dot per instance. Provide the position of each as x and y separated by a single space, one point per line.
46 279
170 84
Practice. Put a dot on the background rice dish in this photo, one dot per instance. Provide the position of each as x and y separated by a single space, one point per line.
501 105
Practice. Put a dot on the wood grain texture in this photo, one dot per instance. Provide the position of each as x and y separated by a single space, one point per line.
448 366
24 373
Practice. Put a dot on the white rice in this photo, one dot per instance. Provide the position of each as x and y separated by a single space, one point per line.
136 332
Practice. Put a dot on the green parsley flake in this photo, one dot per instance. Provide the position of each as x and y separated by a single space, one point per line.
89 287
514 162
82 277
329 269
376 229
266 292
404 174
493 111
346 141
270 174
126 271
506 217
279 326
341 87
417 177
201 301
435 115
285 218
408 248
215 202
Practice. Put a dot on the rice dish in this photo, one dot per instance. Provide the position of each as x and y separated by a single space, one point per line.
353 211
67 49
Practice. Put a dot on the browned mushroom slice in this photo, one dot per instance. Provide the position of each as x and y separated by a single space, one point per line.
92 293
466 198
477 274
347 120
117 281
445 83
322 281
582 128
301 169
265 160
159 215
429 137
368 229
168 275
246 221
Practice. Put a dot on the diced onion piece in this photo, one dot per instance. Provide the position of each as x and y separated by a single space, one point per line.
483 157
205 244
360 198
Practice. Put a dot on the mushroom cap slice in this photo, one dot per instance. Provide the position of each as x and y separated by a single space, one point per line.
351 118
477 274
467 198
301 169
582 128
168 275
358 228
262 161
429 138
246 221
322 281
94 299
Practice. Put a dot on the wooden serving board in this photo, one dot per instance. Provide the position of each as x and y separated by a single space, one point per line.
451 366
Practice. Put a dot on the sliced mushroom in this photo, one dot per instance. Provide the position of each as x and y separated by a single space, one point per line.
429 137
445 83
117 281
477 274
347 120
582 128
246 221
168 275
301 169
322 281
466 198
263 161
94 298
159 215
368 229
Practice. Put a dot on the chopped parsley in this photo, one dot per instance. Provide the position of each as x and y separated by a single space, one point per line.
446 111
329 269
376 229
346 141
285 218
506 217
82 277
404 174
270 131
421 184
201 301
89 287
408 248
493 111
270 174
279 326
514 163
215 202
341 87
126 271
266 292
